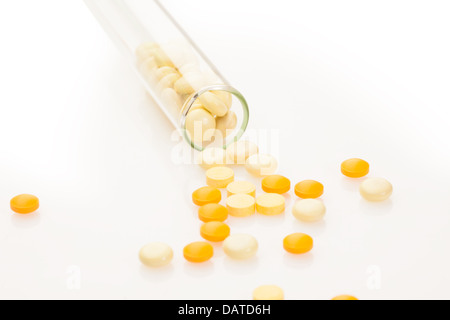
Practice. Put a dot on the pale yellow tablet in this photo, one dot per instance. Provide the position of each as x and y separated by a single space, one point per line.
239 151
270 204
240 246
213 104
261 165
376 189
268 292
219 177
241 187
156 255
200 125
309 210
241 205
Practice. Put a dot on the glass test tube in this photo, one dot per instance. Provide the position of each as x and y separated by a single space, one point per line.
188 88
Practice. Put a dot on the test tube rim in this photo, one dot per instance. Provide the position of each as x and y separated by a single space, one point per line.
220 87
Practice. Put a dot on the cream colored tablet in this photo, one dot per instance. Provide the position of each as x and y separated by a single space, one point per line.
261 165
270 204
145 50
212 157
241 187
239 151
227 123
148 67
197 105
241 205
182 86
376 189
309 210
160 73
161 58
213 104
200 125
156 254
268 293
219 177
189 83
226 97
240 246
167 81
170 97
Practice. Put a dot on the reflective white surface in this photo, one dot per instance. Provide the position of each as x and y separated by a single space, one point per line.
332 80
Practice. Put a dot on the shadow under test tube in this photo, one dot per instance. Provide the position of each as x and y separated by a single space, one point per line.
192 93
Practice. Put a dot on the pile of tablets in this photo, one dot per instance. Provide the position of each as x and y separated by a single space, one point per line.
175 79
242 201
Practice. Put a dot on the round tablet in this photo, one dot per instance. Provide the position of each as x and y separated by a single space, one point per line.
270 204
355 168
268 293
240 246
172 99
212 212
309 210
261 165
376 189
212 157
148 67
309 189
215 231
24 204
198 252
156 254
241 187
276 184
219 177
344 298
225 96
145 50
206 195
227 124
298 243
213 104
200 125
241 205
167 82
162 72
239 151
183 85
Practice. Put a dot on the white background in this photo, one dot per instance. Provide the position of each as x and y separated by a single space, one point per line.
334 79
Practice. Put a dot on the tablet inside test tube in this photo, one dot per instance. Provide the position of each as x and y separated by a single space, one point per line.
184 83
